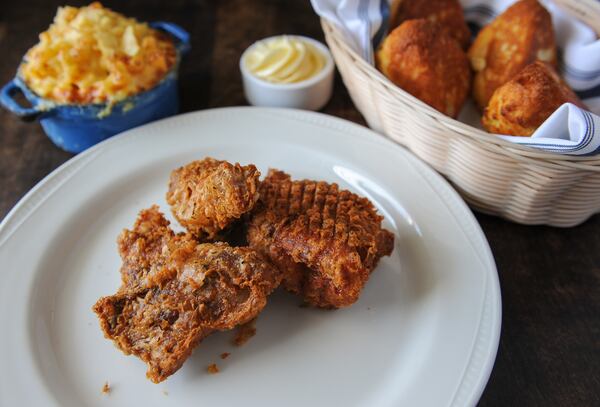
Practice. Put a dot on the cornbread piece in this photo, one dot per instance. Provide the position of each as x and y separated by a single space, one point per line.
94 55
208 195
522 104
325 240
423 60
448 13
516 38
190 290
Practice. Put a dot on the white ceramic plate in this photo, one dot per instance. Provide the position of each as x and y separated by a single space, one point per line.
424 332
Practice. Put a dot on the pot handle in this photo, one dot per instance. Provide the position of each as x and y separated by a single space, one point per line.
8 102
181 35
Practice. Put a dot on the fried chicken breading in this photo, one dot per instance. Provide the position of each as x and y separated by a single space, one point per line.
325 240
519 36
180 292
448 13
206 196
144 249
522 104
424 61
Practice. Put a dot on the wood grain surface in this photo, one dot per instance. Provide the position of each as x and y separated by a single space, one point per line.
550 346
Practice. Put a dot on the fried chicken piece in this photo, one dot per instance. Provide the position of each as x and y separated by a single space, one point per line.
424 61
448 13
208 195
180 292
522 104
325 240
519 36
144 249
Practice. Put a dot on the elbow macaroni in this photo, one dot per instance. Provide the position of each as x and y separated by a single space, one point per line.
95 55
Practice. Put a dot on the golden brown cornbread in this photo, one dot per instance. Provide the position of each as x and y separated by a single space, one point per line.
519 36
424 61
448 13
522 104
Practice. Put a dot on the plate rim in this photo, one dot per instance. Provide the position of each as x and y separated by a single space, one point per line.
469 390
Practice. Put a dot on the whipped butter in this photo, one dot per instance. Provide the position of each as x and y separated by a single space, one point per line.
284 59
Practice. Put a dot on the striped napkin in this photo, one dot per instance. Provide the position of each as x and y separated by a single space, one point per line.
569 130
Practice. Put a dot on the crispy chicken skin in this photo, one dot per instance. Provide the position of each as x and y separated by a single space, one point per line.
144 249
326 240
180 292
448 13
522 104
424 61
519 36
208 195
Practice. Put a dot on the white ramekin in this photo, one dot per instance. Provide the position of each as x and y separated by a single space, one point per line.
310 94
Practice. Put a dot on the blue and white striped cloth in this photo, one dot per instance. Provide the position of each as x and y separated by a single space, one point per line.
569 130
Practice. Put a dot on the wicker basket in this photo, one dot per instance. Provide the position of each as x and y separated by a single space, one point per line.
494 176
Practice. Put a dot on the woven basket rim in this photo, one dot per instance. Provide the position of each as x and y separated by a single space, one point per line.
487 140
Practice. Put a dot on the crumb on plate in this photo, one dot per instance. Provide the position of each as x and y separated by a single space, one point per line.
212 368
225 355
106 388
244 333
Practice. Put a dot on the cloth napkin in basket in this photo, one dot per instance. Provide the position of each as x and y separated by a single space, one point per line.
569 130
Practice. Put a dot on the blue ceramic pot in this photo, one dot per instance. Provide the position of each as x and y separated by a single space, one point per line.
75 128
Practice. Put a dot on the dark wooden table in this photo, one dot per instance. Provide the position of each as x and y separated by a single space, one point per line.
550 346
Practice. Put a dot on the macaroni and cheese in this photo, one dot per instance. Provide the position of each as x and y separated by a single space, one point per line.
95 55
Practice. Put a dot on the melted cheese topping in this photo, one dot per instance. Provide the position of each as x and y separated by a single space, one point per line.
94 55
